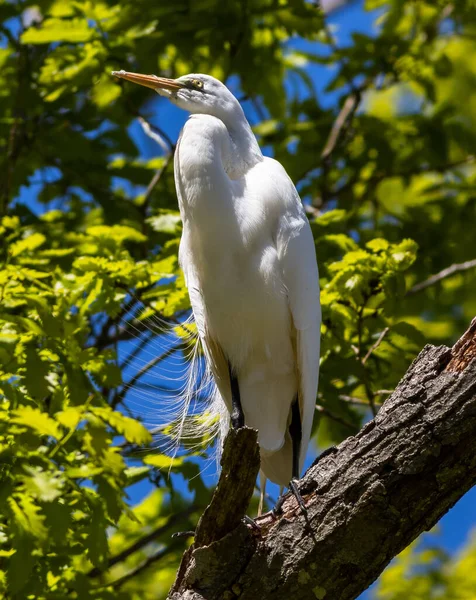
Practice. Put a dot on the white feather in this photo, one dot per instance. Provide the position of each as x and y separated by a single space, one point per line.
249 261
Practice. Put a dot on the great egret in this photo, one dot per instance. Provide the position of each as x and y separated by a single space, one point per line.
248 257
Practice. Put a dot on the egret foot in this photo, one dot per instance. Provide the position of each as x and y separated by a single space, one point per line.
183 534
297 495
278 508
251 522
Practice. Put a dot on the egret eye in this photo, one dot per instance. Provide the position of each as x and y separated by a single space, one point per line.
197 83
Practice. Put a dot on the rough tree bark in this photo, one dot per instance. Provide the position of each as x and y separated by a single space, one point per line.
367 499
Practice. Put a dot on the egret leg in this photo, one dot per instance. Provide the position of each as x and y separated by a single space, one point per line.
262 495
295 431
237 416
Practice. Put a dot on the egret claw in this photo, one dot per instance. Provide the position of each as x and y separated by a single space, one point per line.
183 534
251 522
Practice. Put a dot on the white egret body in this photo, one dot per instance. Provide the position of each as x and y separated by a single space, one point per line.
249 261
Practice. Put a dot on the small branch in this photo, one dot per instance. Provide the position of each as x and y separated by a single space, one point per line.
464 351
344 118
155 180
118 398
163 140
376 345
365 381
143 541
456 268
158 135
338 419
335 49
240 465
137 350
354 400
145 564
103 339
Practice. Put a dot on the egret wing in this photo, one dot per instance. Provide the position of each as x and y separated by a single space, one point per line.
215 357
297 257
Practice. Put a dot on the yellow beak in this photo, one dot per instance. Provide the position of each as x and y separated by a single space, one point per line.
150 81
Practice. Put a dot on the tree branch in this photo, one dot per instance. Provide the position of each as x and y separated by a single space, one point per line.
465 266
144 541
145 564
143 371
366 500
337 418
240 466
342 123
376 345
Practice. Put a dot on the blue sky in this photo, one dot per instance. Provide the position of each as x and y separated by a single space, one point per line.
454 528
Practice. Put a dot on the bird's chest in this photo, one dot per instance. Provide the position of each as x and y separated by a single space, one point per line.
242 290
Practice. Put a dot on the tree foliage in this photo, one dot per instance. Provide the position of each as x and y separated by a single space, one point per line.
427 573
89 236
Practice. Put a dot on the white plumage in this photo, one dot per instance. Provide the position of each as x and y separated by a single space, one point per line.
248 256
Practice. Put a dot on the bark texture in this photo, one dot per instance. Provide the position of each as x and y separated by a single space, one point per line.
367 499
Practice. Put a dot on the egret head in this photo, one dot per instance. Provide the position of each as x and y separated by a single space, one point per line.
196 93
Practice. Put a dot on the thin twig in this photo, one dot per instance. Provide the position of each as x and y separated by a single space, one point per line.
368 389
338 130
145 369
103 338
354 400
456 268
163 140
155 180
143 541
376 345
137 349
338 419
158 135
146 564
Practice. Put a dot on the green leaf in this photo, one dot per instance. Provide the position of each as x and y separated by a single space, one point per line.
132 430
161 461
97 546
377 245
29 243
136 474
166 222
118 233
331 217
36 375
35 419
42 485
27 516
74 30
